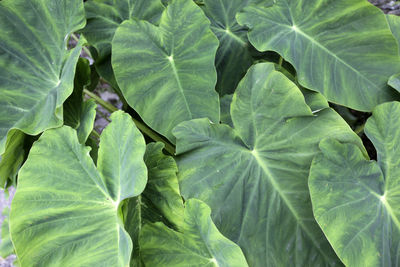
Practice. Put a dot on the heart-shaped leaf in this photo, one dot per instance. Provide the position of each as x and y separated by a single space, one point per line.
167 73
103 19
347 51
254 177
65 211
36 69
355 200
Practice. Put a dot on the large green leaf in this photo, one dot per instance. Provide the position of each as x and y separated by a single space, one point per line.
355 200
233 55
160 201
254 177
65 211
103 19
199 243
167 73
36 69
340 48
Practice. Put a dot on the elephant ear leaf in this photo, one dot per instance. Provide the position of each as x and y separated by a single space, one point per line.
65 211
355 200
199 243
342 51
233 55
36 79
167 73
254 177
394 23
103 19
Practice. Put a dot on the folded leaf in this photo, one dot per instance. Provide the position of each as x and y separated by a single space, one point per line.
65 211
199 243
355 200
167 73
254 177
36 69
343 49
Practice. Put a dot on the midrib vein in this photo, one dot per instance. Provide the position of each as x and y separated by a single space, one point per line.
176 75
286 201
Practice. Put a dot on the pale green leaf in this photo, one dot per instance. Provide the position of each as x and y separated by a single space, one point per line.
103 19
394 23
254 177
167 73
343 49
160 201
65 211
355 200
36 69
13 157
6 246
199 243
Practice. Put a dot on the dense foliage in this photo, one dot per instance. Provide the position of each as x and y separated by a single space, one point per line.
245 136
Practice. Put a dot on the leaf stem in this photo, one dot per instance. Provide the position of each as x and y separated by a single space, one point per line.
83 47
141 126
280 62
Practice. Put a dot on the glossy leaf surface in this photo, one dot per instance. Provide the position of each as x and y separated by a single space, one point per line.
355 200
254 177
103 19
65 211
167 73
342 51
36 69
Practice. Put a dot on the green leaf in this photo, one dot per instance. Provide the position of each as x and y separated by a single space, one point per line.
233 55
394 23
226 101
394 82
167 73
103 19
36 69
199 243
13 157
355 200
254 177
343 51
80 114
6 246
160 201
65 211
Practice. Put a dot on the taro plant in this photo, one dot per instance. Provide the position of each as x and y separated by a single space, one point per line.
243 136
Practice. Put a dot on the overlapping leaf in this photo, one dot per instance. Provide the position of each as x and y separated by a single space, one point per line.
233 55
80 114
199 243
167 73
160 201
103 19
254 177
36 69
65 211
355 200
340 48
